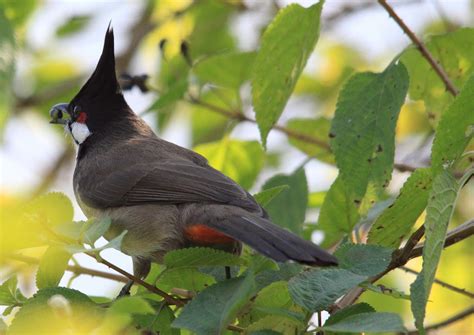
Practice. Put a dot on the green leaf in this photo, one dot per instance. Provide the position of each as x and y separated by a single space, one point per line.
363 128
52 266
18 12
266 196
185 278
196 257
7 64
275 295
240 160
397 220
207 125
286 46
10 294
316 290
338 214
73 25
279 324
228 70
96 229
438 214
285 272
51 209
131 305
214 308
455 129
454 51
349 311
160 323
368 322
288 210
57 310
314 128
172 95
363 259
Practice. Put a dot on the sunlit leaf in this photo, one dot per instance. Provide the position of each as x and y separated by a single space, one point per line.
56 311
52 266
214 308
286 46
240 160
272 324
338 213
398 219
173 94
73 25
288 210
10 294
454 51
266 196
317 289
187 278
438 214
363 128
455 129
228 69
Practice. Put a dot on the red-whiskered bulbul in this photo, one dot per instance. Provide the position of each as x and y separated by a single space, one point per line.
165 196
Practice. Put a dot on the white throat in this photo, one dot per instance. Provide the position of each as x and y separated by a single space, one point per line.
79 132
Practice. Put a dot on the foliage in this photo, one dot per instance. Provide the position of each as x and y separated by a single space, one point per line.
358 117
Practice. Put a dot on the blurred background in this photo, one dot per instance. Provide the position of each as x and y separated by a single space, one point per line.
57 45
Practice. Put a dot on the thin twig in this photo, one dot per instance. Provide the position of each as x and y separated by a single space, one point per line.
77 269
455 318
462 291
422 48
169 299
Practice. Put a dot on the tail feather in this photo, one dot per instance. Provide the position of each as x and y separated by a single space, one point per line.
272 240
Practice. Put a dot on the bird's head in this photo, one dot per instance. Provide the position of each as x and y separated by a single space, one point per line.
98 103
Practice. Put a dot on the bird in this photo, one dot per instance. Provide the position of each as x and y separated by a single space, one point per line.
165 196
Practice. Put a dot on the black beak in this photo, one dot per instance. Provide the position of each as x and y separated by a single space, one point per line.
58 114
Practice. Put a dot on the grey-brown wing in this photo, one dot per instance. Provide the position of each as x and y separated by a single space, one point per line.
168 182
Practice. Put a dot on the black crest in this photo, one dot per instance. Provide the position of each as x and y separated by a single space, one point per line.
101 97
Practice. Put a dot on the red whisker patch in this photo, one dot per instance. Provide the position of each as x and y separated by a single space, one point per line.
82 117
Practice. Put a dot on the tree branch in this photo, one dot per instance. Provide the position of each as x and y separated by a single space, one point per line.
448 286
455 318
422 48
237 115
400 258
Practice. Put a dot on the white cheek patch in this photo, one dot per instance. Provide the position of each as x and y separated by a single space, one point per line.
79 132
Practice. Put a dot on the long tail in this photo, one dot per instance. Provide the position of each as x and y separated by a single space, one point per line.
272 240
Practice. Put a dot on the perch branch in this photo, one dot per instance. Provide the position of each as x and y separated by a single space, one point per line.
448 286
455 318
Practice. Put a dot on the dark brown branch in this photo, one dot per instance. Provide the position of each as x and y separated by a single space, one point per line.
453 319
453 288
422 48
454 236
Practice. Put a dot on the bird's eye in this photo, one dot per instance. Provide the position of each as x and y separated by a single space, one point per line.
59 114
